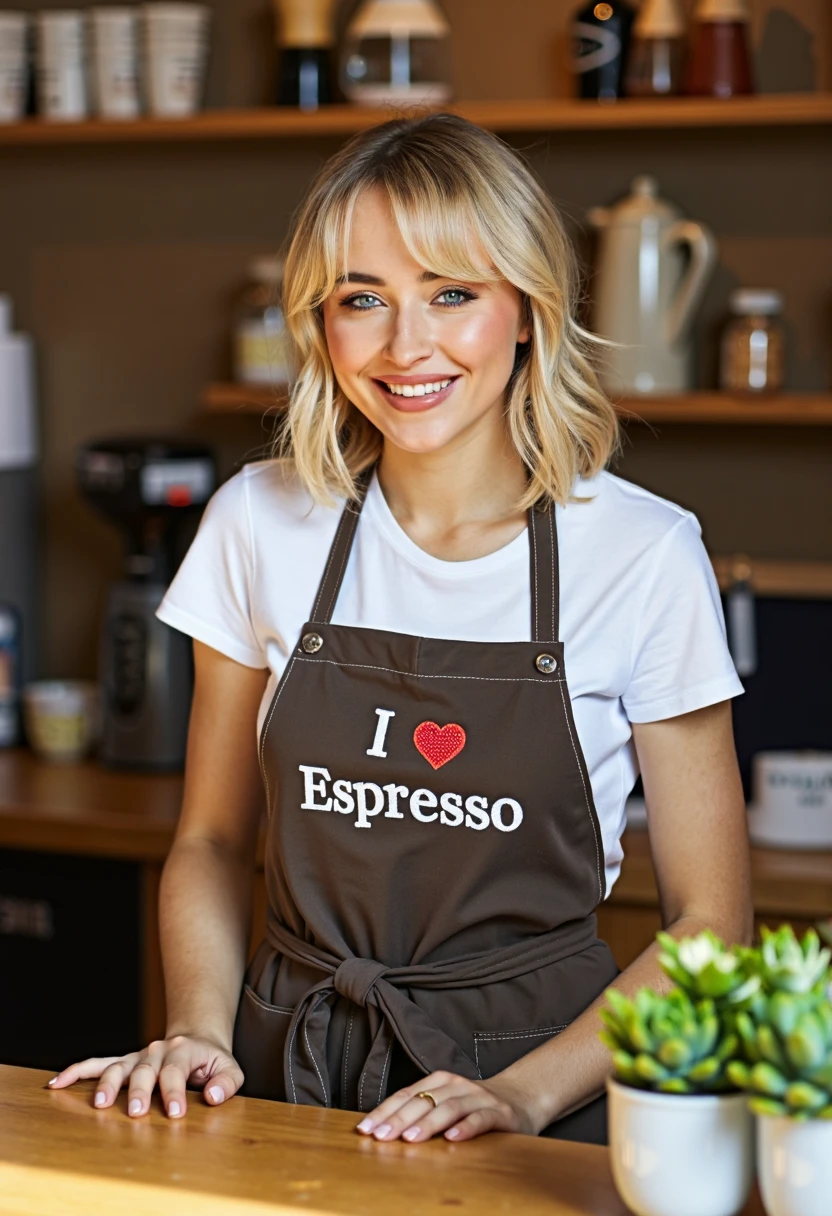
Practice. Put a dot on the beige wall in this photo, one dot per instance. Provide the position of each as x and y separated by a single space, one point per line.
124 262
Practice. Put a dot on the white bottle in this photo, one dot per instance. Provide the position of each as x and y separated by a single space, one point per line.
18 491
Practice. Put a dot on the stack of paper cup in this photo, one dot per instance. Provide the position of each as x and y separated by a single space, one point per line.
176 49
14 30
61 67
115 75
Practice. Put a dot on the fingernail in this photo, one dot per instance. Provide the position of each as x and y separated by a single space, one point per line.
174 1109
216 1094
100 1098
384 1130
452 1133
366 1125
411 1133
52 1082
135 1107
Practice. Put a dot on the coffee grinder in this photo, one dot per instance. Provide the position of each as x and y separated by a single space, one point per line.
150 489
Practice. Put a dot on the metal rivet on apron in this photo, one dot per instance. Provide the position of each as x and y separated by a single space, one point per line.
546 663
311 642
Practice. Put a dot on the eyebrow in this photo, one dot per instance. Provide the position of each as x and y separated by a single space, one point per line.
359 276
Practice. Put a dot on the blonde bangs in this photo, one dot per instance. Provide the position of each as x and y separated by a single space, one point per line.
467 207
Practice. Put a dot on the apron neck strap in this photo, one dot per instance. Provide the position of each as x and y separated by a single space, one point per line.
545 574
340 551
543 546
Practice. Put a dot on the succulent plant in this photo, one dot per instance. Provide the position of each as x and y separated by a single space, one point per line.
788 1045
670 1044
704 968
786 964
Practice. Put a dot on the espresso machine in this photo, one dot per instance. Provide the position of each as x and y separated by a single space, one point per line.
151 489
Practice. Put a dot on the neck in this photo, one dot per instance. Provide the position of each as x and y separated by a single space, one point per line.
460 502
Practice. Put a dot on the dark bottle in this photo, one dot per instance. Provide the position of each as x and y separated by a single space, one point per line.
601 36
304 37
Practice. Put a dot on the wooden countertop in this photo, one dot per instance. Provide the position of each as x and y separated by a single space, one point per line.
87 809
59 1156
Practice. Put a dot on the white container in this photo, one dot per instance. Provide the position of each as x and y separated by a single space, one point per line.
61 65
62 718
794 1164
115 61
18 430
792 801
14 34
175 45
680 1155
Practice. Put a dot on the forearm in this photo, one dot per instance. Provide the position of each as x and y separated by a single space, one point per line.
204 914
571 1069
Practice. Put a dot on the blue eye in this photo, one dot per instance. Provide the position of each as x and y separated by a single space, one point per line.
460 292
355 302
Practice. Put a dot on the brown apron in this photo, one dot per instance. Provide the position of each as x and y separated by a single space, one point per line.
433 857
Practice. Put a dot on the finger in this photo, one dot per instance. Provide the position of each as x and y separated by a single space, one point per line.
113 1078
414 1112
446 1115
394 1103
143 1079
173 1078
223 1084
82 1071
485 1119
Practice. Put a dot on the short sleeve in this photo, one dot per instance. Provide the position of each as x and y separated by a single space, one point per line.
210 597
680 657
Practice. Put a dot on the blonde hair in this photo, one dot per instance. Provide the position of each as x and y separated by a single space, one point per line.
455 191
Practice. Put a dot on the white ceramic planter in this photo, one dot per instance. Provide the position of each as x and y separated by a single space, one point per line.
679 1155
794 1162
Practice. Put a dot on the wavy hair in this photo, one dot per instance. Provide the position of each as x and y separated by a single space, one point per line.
458 194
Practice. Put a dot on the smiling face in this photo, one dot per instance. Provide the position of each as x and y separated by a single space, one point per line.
426 359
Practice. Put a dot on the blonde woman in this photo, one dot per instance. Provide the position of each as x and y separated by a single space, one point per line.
444 640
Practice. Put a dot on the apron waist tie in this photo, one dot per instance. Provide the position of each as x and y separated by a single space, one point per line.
393 1016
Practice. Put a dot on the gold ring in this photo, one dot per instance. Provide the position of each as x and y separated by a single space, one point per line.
425 1093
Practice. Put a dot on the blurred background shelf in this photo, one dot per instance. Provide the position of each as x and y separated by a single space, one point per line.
784 409
780 109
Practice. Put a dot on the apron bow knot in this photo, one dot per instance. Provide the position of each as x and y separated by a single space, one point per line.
356 976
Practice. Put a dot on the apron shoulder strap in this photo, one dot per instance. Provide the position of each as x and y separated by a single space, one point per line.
336 563
545 574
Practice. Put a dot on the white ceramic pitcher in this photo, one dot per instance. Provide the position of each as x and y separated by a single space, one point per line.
645 294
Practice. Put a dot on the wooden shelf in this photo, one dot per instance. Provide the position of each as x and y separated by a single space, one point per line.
785 409
777 579
782 109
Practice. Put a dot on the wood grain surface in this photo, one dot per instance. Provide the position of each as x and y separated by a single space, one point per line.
58 1155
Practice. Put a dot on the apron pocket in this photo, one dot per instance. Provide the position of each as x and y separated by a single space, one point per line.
495 1050
259 1041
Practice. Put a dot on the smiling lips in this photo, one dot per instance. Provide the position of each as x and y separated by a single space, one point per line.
410 396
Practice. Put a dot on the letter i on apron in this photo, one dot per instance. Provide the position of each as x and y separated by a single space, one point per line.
433 857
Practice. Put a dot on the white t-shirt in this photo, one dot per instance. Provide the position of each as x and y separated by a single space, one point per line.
640 615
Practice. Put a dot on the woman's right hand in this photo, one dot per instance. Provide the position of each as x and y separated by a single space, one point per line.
171 1063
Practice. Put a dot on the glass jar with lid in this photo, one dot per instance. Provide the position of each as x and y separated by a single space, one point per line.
397 52
262 348
752 350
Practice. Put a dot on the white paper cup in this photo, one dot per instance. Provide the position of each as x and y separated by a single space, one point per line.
61 65
175 41
14 31
61 718
115 61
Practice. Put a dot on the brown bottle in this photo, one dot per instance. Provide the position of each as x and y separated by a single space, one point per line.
720 63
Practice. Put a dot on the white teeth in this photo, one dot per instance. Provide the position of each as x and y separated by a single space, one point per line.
416 390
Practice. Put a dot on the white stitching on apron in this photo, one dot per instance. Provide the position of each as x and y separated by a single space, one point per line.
552 536
534 550
284 681
264 1004
384 1073
586 795
425 675
346 1058
315 1062
337 587
485 1037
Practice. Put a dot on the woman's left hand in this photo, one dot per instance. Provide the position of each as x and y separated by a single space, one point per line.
464 1109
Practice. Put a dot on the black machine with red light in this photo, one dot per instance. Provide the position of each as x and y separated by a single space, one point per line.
150 489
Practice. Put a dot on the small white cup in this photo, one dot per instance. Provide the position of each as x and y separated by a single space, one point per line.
61 718
61 65
175 40
115 68
14 32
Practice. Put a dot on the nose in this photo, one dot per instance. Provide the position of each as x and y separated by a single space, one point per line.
410 338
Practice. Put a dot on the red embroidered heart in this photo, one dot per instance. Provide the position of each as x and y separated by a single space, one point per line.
439 744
